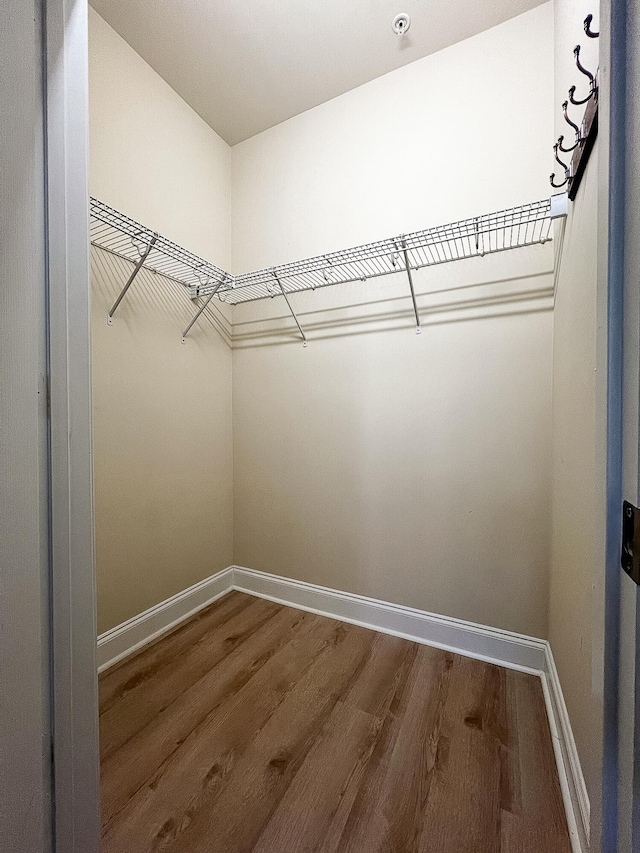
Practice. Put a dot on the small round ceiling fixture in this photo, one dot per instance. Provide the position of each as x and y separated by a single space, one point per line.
401 24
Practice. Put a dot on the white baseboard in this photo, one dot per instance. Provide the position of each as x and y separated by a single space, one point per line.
478 641
574 789
503 648
124 639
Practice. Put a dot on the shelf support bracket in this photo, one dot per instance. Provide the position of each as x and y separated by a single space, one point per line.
293 313
216 288
135 272
413 293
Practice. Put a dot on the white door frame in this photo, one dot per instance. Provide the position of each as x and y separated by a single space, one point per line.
25 736
49 799
73 595
610 313
621 782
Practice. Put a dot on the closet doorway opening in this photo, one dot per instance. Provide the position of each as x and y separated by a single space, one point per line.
348 375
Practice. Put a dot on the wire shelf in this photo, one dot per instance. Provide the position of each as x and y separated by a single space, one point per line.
481 235
117 233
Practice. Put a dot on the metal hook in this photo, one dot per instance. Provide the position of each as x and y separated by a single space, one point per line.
326 274
577 101
569 122
592 80
567 150
559 161
272 290
587 28
203 278
138 244
567 170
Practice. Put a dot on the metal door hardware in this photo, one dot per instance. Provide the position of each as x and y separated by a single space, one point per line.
631 541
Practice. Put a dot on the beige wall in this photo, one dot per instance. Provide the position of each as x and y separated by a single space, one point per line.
162 411
151 156
163 462
578 520
410 468
452 135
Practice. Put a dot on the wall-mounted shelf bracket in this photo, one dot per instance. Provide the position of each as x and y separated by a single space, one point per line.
407 267
293 313
559 205
136 270
202 308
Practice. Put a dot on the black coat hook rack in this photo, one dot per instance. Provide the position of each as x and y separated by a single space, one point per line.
585 133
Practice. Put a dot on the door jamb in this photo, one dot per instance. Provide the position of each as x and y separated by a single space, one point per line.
76 793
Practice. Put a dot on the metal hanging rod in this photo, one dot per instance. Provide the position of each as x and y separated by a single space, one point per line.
525 225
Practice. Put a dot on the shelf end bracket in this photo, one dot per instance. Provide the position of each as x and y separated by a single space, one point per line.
407 267
135 272
293 313
215 289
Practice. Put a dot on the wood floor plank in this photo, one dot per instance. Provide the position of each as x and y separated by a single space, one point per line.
140 757
133 672
197 772
137 708
534 765
387 813
323 780
260 728
233 820
333 769
468 776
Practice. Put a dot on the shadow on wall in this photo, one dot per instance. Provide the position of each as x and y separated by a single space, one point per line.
467 290
519 282
152 296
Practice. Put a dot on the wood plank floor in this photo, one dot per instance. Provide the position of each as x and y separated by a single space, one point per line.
259 728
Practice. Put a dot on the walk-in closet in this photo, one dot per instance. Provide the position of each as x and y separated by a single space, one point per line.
344 321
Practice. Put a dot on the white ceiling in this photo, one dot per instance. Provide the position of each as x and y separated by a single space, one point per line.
246 65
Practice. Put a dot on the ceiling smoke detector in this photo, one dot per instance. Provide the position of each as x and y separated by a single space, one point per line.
401 24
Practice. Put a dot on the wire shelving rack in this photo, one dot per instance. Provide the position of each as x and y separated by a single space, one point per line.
111 230
477 236
480 235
